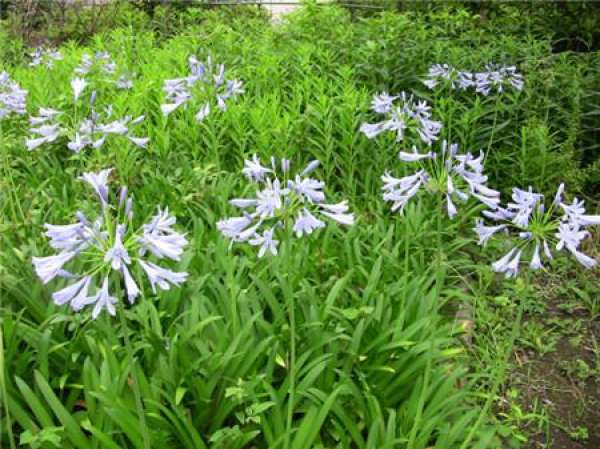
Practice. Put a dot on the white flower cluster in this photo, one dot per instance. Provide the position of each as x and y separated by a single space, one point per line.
284 201
12 97
561 226
406 115
205 80
455 176
495 77
108 248
45 56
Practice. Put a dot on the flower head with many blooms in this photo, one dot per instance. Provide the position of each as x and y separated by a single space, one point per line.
44 56
12 97
92 131
457 177
108 251
495 77
447 75
283 202
206 83
498 77
404 114
99 62
101 66
539 229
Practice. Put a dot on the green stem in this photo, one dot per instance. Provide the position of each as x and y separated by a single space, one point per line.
440 242
292 360
136 386
489 146
406 257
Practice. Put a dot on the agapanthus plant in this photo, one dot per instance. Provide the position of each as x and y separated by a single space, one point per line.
403 114
447 75
539 230
44 56
101 66
92 131
283 202
109 251
495 77
206 84
451 176
12 97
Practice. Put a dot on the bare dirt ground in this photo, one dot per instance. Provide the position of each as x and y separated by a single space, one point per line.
564 382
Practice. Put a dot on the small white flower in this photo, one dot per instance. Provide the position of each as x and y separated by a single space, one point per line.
47 268
266 243
486 232
306 223
308 188
509 264
132 288
203 112
415 155
99 182
71 292
536 261
253 169
162 277
117 255
311 167
103 300
78 85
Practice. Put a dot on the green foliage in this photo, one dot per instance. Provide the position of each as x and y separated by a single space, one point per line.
378 363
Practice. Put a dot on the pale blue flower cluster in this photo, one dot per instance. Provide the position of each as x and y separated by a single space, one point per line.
206 83
283 202
106 250
92 131
44 128
45 56
456 177
495 77
403 114
448 75
12 98
539 229
101 64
